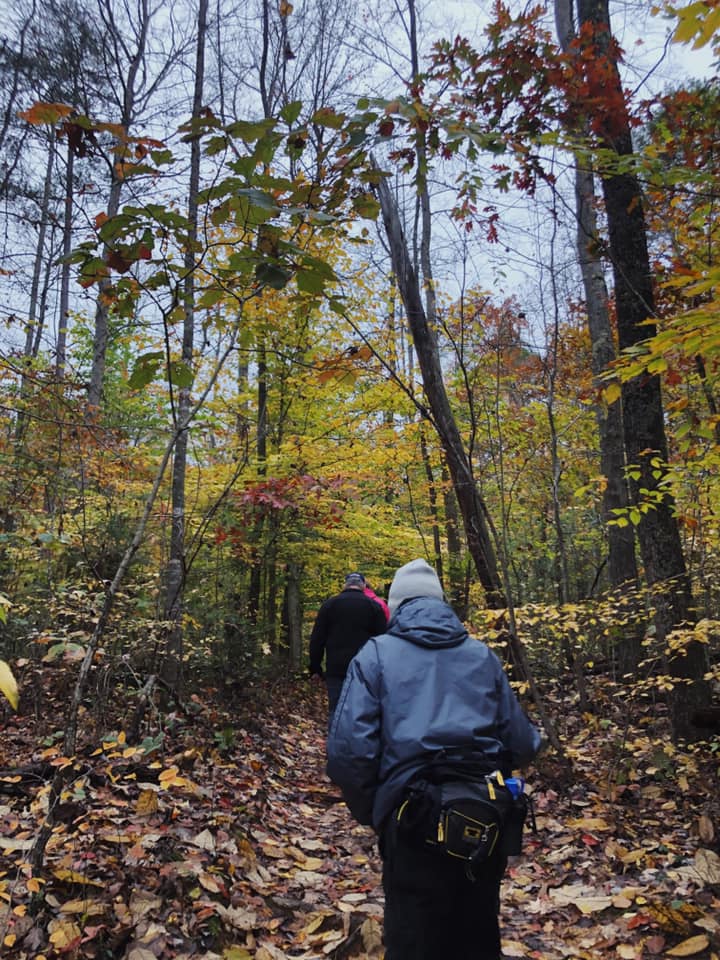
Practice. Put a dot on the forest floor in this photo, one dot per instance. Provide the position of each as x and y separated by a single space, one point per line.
222 838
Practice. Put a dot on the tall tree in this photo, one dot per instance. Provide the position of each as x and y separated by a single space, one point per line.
176 567
472 506
622 566
132 83
644 431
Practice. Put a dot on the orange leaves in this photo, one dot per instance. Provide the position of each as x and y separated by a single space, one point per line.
171 778
343 366
46 113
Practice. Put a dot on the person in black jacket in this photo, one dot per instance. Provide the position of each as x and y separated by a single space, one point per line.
426 704
343 624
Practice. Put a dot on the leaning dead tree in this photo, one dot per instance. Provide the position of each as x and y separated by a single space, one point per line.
477 522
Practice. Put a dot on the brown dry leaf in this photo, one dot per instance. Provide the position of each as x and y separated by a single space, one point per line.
589 823
91 908
634 856
8 843
147 803
513 948
706 829
311 844
72 876
708 923
296 854
626 951
245 850
674 919
613 849
205 840
237 917
269 951
316 922
63 933
655 945
209 882
140 953
584 898
142 903
652 792
273 851
371 934
136 851
690 947
707 865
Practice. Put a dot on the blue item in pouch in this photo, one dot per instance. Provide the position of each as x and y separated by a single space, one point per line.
516 786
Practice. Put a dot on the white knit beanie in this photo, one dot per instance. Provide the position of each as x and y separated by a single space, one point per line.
415 579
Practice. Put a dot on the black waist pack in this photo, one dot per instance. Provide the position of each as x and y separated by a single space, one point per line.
467 819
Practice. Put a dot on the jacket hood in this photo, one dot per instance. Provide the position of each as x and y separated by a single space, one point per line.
427 622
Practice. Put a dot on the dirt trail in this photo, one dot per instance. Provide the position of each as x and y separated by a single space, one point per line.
322 867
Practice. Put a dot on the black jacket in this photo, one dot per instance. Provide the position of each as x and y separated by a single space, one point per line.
344 623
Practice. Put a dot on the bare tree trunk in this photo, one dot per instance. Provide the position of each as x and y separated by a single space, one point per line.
11 104
40 257
33 327
433 498
293 615
64 305
457 565
471 503
175 573
134 87
102 310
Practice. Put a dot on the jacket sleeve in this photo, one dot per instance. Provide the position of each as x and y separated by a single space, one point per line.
380 621
318 638
353 745
518 736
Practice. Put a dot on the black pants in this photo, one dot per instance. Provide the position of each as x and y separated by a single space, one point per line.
334 689
433 910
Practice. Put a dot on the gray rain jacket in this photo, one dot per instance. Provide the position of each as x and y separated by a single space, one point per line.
422 687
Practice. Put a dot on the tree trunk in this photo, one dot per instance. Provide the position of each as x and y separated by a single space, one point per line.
100 334
64 305
175 573
32 329
34 317
644 430
472 507
457 565
622 566
293 615
433 498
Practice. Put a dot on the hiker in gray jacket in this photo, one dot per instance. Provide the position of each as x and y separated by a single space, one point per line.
421 690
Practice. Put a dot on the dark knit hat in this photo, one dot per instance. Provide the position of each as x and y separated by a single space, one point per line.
354 580
415 579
